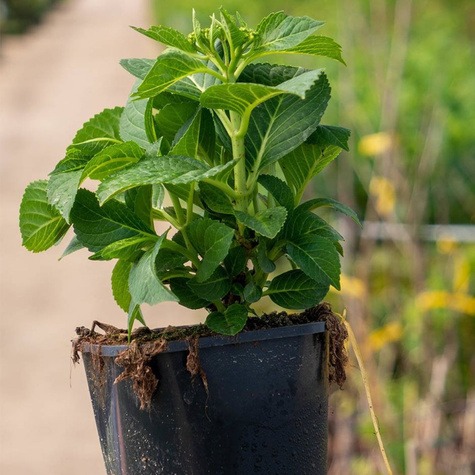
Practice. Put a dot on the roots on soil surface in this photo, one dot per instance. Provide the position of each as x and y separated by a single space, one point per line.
147 343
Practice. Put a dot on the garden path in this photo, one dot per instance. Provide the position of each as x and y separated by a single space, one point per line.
51 81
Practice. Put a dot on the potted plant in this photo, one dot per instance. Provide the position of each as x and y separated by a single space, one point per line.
222 148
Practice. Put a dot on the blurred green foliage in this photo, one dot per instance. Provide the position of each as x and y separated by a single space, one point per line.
434 93
16 16
408 96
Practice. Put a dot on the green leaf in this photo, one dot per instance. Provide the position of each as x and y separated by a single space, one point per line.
158 195
215 199
144 284
41 224
193 139
136 121
230 322
134 314
96 227
283 123
306 162
236 260
74 169
268 222
99 132
139 200
158 148
74 160
315 46
212 240
167 169
317 257
61 190
167 98
169 68
224 140
207 138
120 284
326 135
278 31
263 260
339 248
128 248
237 36
186 298
168 259
252 292
244 97
295 290
65 180
138 67
279 190
240 20
269 74
216 287
191 87
112 159
73 246
172 117
168 36
302 222
319 202
182 191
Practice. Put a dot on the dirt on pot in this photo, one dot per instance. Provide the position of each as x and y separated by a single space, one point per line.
146 343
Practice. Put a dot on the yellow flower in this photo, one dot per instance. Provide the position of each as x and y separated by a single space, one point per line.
375 144
457 301
351 287
462 274
382 336
384 194
447 245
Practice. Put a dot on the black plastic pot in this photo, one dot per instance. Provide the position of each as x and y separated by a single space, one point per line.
266 411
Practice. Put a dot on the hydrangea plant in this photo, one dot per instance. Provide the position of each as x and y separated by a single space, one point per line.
221 146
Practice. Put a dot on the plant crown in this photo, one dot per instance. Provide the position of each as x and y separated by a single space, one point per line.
229 145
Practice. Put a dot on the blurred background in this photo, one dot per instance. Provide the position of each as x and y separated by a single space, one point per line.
408 96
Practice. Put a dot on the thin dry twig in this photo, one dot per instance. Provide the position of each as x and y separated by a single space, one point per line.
364 377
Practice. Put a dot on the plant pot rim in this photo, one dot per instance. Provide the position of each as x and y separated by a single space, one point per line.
220 340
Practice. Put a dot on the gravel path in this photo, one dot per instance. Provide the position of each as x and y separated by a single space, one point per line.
51 81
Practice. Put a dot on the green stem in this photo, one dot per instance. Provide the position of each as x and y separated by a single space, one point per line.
99 139
239 154
276 251
236 56
214 56
225 120
178 209
214 73
243 65
270 198
173 246
161 215
222 186
182 221
260 278
175 274
189 204
255 201
298 196
219 305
